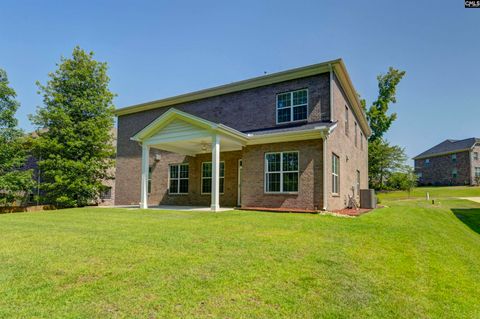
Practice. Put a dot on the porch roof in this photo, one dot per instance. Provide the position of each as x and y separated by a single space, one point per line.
183 133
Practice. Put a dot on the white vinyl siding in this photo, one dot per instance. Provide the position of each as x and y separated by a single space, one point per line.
281 172
292 106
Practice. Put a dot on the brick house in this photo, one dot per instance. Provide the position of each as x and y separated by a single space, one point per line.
452 162
293 140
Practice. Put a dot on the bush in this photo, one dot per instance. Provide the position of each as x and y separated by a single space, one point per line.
402 181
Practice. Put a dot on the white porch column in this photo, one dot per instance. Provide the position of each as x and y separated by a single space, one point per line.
144 183
215 173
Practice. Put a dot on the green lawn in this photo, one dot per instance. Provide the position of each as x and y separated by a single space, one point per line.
435 192
409 260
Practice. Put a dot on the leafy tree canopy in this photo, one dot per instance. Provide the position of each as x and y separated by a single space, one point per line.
377 116
15 182
74 138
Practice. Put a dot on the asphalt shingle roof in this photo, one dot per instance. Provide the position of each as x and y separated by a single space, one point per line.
290 128
449 146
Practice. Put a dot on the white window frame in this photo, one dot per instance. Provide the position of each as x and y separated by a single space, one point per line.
477 171
454 158
210 178
427 162
281 172
356 134
454 172
475 156
335 176
347 120
179 178
149 179
291 107
358 182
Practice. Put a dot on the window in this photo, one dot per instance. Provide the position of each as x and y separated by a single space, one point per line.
356 133
106 193
475 156
419 175
346 120
427 162
361 141
454 173
454 158
207 177
281 172
178 179
358 183
292 106
149 185
477 171
335 174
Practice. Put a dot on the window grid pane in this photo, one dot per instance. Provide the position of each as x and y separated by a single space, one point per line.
292 106
178 179
281 172
207 170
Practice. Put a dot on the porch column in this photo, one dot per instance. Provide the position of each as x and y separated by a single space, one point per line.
215 173
144 182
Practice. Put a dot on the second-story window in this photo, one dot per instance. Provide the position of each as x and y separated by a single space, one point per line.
475 156
427 162
454 158
347 124
361 141
292 106
356 134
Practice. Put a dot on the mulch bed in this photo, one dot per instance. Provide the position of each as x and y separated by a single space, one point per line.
352 211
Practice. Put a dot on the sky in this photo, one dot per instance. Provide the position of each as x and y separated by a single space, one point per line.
157 49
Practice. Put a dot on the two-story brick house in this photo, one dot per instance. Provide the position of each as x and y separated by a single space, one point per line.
452 162
295 140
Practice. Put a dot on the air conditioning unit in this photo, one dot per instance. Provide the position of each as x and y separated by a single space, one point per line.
368 198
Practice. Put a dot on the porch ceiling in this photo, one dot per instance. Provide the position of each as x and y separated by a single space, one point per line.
200 145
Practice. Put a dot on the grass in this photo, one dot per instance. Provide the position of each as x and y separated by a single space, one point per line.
435 192
409 260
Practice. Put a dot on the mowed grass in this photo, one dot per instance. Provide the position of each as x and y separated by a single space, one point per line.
409 260
435 192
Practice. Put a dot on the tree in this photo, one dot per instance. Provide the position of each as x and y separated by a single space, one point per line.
405 180
377 116
383 160
15 181
74 138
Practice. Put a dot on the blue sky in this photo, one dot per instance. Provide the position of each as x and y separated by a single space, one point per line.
156 49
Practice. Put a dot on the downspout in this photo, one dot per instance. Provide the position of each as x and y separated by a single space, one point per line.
325 180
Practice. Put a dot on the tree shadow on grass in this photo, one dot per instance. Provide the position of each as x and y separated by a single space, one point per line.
469 216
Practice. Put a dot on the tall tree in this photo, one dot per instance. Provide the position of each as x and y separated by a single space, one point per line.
383 158
74 137
377 115
15 181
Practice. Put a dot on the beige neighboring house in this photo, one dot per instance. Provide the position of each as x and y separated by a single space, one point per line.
290 140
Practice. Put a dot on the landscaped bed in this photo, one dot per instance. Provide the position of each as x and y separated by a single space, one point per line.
408 260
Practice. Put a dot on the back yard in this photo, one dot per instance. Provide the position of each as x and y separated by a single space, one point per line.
410 259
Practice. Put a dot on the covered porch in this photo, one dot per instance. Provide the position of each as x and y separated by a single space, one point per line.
182 133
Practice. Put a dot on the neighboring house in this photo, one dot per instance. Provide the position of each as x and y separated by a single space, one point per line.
290 140
452 162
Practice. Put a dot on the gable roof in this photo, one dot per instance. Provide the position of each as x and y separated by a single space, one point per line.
336 66
449 146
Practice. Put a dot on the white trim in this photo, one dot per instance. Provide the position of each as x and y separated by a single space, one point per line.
210 178
325 175
178 178
281 172
239 181
336 175
215 196
144 177
332 117
291 107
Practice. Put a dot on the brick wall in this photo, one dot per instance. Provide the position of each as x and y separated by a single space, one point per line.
439 171
246 110
352 157
310 176
475 163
